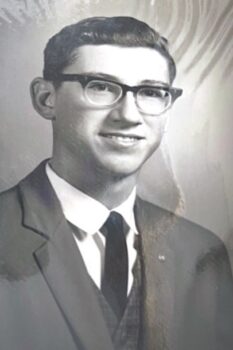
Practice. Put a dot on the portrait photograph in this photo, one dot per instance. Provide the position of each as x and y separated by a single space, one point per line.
116 175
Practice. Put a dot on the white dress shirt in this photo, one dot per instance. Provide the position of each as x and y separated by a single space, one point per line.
89 215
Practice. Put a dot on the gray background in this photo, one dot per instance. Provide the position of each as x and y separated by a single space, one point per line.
193 171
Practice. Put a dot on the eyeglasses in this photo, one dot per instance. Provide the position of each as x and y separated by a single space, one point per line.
150 99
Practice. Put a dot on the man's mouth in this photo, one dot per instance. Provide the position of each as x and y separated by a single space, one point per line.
126 139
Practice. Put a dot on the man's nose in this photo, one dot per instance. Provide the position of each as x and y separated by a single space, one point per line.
127 110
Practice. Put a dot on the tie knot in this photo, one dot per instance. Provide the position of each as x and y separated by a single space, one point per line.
114 218
114 222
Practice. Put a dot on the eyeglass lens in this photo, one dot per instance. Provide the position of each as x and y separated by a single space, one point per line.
103 93
151 100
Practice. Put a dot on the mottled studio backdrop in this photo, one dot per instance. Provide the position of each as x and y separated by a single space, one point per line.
195 163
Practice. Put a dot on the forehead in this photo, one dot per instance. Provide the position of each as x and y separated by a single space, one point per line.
130 65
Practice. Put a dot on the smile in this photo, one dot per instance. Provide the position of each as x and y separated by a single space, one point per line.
122 139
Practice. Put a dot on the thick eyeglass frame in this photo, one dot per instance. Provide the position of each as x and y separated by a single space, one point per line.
84 79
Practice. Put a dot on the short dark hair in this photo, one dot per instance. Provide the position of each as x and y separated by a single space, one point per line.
121 31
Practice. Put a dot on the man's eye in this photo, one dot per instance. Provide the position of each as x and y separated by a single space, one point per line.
98 86
153 92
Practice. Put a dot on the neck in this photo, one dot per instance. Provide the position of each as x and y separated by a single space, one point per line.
104 186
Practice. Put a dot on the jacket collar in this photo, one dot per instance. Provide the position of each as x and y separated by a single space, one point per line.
42 210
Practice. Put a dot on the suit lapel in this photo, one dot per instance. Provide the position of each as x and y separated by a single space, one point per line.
158 282
61 264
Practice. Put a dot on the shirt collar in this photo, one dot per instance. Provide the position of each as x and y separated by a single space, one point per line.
77 206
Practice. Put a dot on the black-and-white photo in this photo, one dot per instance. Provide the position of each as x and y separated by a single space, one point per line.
116 226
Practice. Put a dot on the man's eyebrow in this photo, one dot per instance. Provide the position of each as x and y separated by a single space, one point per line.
102 75
153 82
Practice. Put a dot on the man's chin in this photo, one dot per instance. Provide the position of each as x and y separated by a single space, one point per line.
122 169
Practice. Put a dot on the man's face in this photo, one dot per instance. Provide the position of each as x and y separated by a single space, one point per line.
115 139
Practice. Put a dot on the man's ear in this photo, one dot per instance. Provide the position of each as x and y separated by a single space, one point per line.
43 97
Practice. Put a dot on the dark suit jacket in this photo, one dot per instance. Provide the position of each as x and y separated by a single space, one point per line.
47 300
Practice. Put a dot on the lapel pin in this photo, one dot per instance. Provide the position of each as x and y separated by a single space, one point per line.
161 257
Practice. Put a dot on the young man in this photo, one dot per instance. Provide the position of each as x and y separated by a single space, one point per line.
72 275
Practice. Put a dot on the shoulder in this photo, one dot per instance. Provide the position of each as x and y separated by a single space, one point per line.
11 214
177 223
182 235
9 201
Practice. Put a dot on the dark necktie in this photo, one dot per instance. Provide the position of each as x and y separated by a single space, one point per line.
115 276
